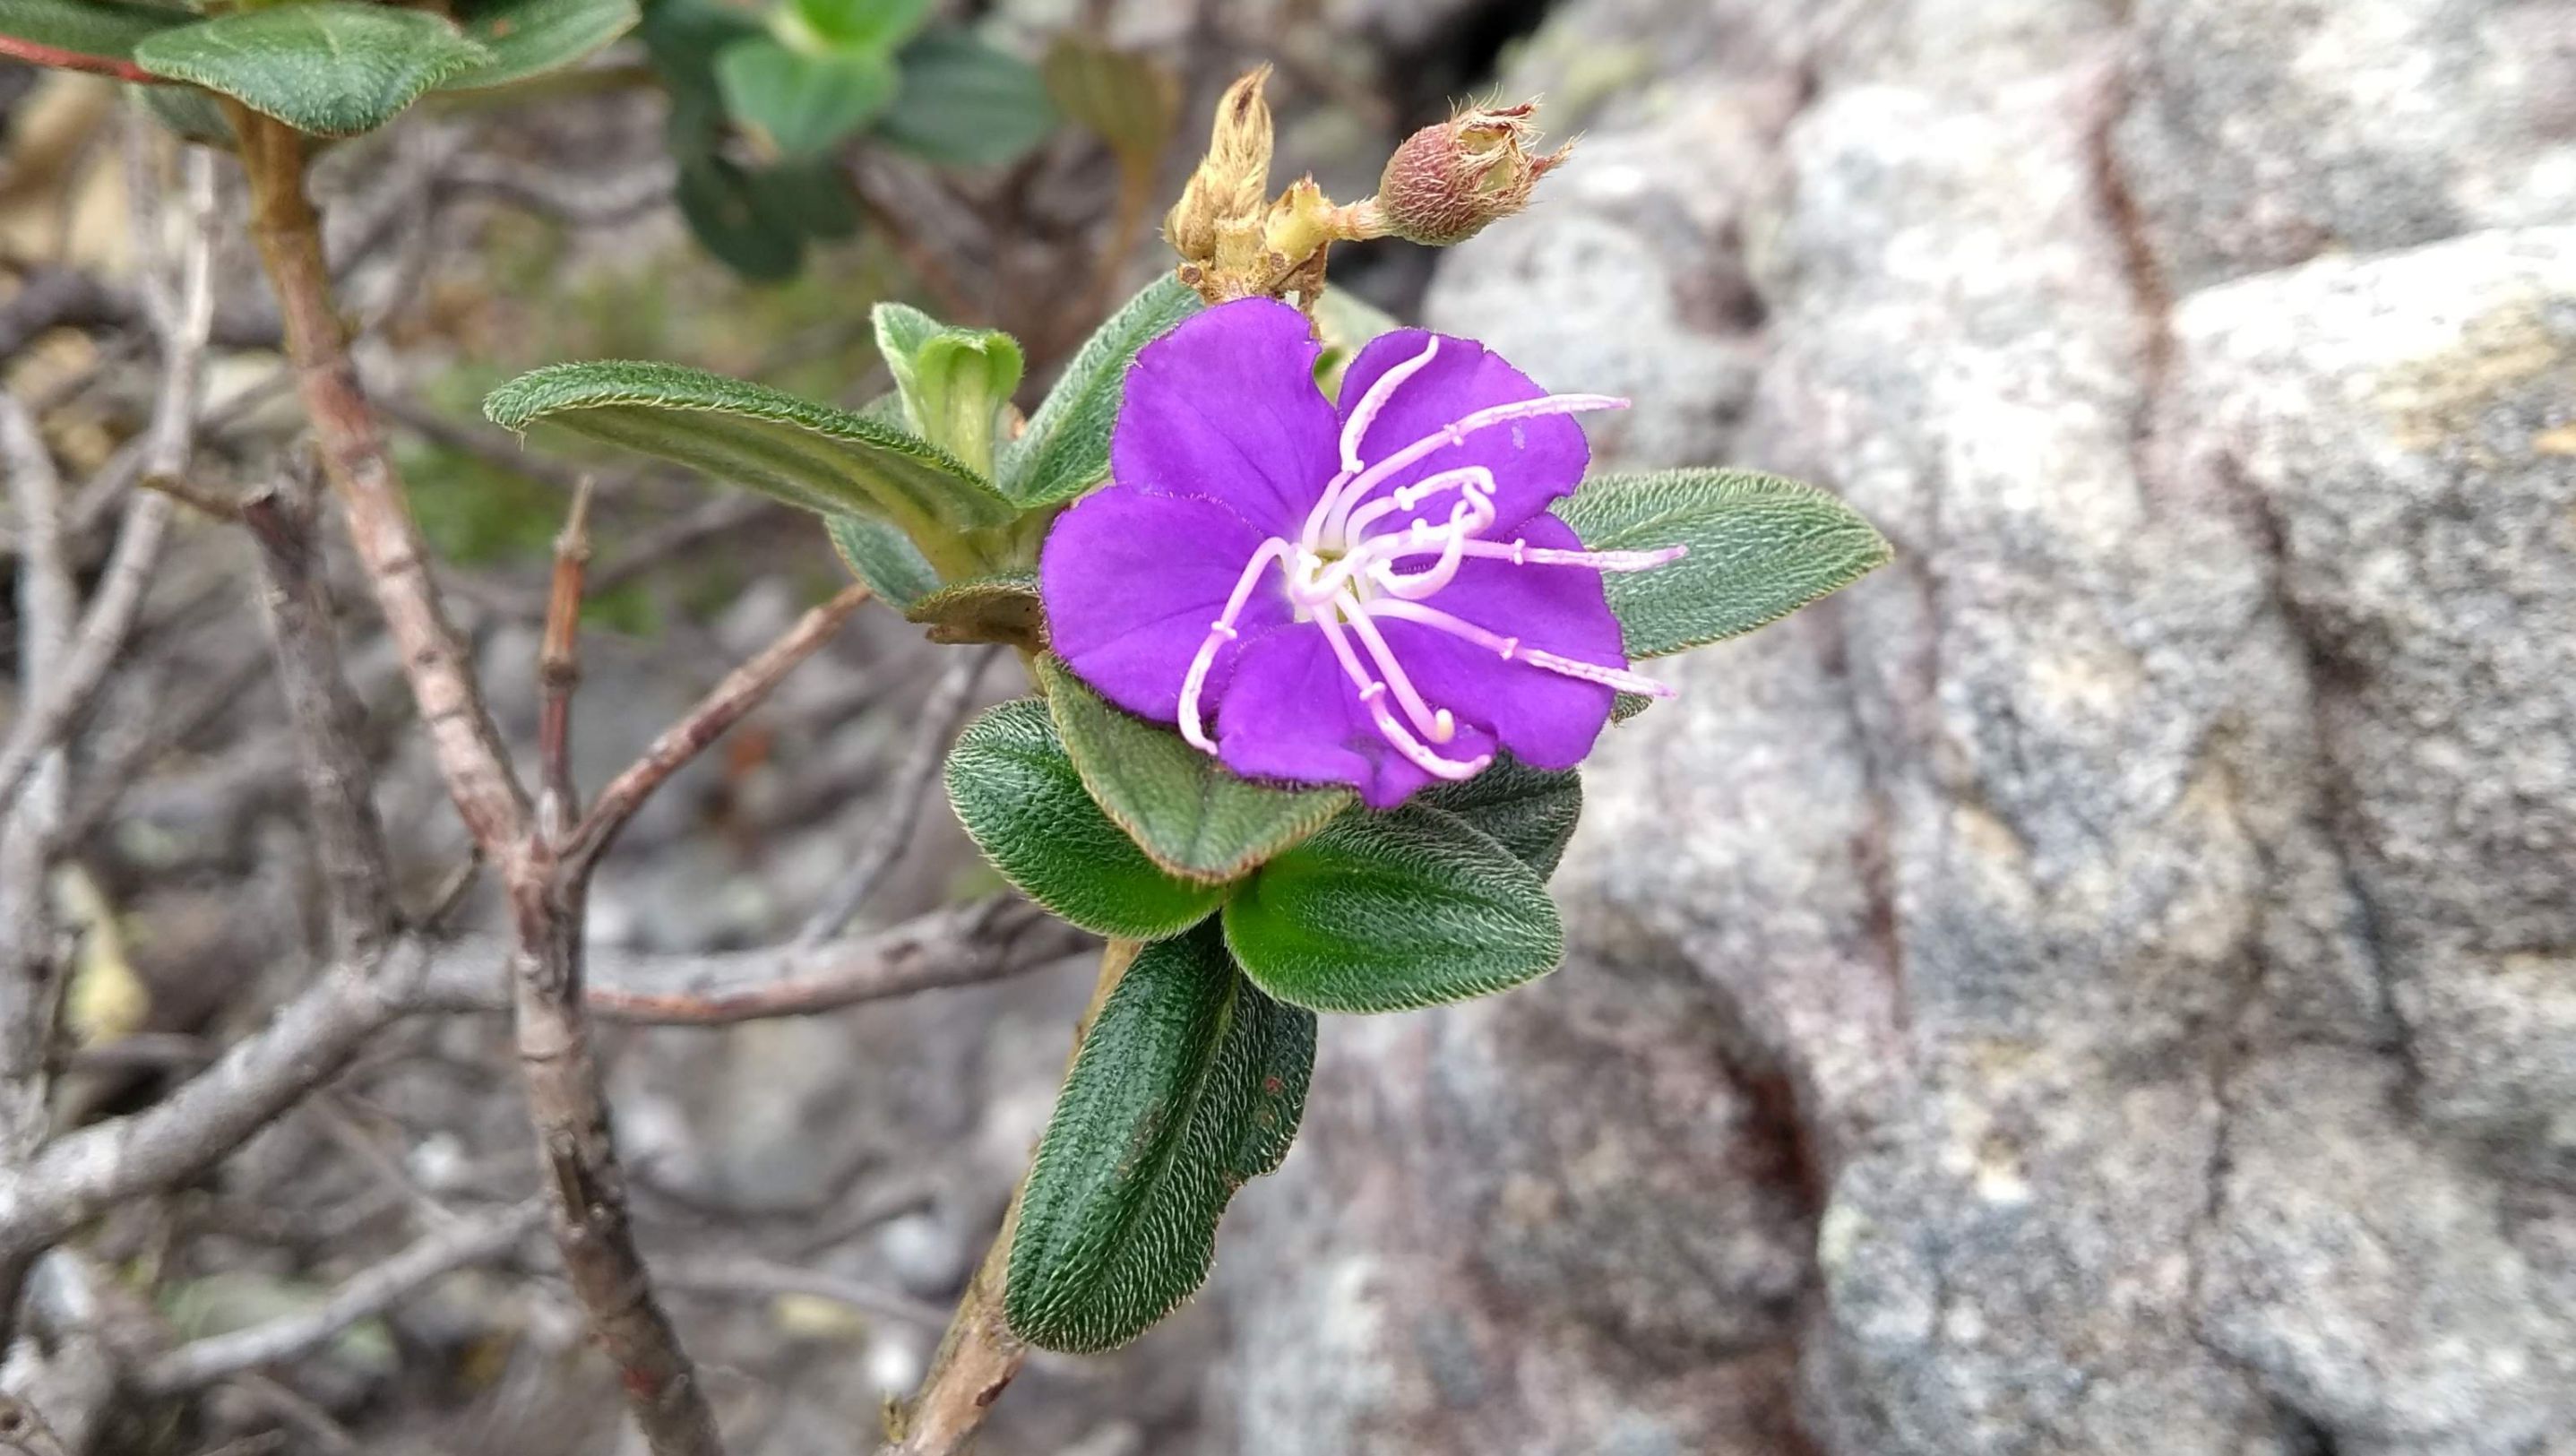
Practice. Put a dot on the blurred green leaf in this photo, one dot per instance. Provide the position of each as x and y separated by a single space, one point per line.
531 37
1529 811
330 68
106 29
804 105
875 26
1130 100
964 103
739 218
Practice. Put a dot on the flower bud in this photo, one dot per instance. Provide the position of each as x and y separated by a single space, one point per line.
1229 191
1447 181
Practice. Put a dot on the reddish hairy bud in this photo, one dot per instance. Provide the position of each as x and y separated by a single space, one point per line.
1447 181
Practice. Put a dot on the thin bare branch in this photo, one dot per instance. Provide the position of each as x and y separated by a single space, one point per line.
322 716
900 810
434 656
476 1239
719 710
559 671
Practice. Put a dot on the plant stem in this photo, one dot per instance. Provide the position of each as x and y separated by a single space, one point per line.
979 1354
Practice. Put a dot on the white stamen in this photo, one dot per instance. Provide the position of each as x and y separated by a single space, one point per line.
1220 632
1373 693
1509 648
1347 495
1438 725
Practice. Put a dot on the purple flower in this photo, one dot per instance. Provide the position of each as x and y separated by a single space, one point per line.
1373 596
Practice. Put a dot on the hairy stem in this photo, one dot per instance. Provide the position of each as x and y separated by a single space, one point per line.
979 1354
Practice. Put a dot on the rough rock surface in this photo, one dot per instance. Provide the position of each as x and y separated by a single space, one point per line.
2108 983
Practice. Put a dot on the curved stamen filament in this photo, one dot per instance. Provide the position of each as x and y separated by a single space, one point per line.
1511 650
1474 479
1356 428
1220 632
1453 552
1373 694
1436 724
1347 495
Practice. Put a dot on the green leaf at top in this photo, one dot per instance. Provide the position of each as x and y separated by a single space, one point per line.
532 37
107 30
1529 811
1392 911
964 103
1190 1083
852 25
1188 813
1761 547
953 381
998 608
804 104
883 557
1065 450
331 68
1024 805
811 455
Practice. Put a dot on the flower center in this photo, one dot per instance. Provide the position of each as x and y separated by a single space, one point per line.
1342 571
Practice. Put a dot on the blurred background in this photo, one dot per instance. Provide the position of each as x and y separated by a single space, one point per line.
2106 983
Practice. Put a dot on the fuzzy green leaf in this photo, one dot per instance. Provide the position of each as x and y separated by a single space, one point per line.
1392 911
953 381
1761 547
883 557
1188 813
532 37
823 459
1024 805
107 30
1000 608
1190 1083
804 104
966 104
1065 450
331 68
1529 811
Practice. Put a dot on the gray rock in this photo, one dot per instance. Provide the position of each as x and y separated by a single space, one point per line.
2116 961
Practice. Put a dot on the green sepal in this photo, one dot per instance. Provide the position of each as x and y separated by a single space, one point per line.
954 381
1065 450
1184 809
1023 803
1000 608
1760 548
823 459
331 68
1392 911
1190 1083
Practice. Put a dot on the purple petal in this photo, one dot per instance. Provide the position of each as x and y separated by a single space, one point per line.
1534 461
1547 719
1291 713
1226 407
1132 581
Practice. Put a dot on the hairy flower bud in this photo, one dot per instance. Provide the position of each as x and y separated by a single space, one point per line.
1228 194
1447 181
